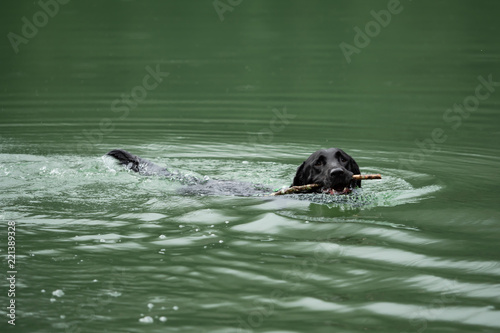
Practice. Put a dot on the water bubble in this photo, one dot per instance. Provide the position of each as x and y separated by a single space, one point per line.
163 319
150 306
175 307
58 293
146 320
162 236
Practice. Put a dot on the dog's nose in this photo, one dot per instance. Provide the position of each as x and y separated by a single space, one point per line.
336 172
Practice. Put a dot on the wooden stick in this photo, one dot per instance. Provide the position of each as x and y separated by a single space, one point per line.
309 187
373 176
296 189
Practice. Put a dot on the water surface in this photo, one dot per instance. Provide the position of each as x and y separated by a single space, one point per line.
100 249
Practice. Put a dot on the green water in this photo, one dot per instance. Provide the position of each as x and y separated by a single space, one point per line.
248 93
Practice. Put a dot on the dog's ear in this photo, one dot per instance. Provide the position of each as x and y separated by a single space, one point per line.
354 168
301 175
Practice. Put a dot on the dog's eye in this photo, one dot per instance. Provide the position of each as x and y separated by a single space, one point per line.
343 159
319 163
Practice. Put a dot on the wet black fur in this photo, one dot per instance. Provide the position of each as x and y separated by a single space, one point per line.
332 168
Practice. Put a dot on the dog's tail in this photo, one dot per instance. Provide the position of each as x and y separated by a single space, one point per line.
126 159
138 164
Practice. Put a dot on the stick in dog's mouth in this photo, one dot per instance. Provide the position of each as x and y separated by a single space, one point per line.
310 187
371 176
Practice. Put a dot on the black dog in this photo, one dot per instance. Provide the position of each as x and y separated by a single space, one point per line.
331 168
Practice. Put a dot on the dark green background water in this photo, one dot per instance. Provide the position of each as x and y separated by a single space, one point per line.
249 95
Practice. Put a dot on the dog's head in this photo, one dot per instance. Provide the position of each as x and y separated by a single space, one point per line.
331 168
